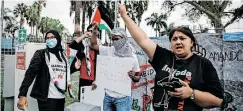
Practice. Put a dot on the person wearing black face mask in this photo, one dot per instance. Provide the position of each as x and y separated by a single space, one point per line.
50 69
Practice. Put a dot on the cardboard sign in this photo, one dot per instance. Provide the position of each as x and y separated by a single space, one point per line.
112 73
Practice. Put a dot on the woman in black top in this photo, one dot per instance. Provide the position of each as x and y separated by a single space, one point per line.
183 81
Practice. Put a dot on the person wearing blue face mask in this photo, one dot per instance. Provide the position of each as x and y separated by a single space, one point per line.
50 69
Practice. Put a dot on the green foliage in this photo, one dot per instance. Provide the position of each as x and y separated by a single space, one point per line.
136 9
47 24
19 11
215 11
157 22
75 86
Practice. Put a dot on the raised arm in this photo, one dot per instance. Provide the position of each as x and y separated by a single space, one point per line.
138 34
93 41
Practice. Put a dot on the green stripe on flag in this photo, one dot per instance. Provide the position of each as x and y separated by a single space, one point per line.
104 27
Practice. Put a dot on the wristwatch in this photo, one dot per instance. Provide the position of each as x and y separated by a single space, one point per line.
192 97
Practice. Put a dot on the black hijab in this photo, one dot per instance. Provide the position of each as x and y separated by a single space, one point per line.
57 48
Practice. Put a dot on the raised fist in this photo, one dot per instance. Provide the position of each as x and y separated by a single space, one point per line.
199 50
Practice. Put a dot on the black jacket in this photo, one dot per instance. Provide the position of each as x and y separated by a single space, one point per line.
39 71
80 54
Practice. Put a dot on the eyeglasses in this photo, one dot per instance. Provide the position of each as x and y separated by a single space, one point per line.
114 39
50 37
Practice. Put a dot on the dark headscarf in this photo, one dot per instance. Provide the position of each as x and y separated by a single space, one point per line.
57 48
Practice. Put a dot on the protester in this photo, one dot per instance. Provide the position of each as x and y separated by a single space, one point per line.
85 60
50 69
119 48
184 81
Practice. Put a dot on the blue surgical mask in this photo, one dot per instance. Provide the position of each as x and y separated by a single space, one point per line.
51 43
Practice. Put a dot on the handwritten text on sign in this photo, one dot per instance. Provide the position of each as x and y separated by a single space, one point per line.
112 71
20 63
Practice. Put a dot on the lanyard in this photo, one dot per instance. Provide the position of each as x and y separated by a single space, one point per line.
53 77
166 102
55 81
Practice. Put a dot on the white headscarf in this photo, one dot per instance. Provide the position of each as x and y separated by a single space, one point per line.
122 47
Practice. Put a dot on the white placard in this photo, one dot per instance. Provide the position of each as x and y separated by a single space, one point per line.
93 97
112 73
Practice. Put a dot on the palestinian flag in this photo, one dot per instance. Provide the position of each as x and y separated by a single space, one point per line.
102 19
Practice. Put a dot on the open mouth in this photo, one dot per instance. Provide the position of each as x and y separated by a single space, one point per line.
179 47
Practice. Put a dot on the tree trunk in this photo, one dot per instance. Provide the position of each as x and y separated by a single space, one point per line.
77 16
83 21
31 30
13 41
218 26
36 31
21 21
156 30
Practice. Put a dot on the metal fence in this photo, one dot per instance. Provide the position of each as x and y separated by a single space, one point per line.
8 48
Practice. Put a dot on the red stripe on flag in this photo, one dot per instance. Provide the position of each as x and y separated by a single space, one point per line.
97 16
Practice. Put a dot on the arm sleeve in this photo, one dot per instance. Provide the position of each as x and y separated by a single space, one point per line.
160 55
72 67
77 46
211 80
30 74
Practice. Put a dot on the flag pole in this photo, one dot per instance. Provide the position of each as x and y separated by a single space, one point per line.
116 11
1 35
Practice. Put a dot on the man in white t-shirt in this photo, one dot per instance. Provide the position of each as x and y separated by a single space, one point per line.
120 48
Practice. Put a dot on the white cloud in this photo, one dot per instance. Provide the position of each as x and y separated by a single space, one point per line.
60 10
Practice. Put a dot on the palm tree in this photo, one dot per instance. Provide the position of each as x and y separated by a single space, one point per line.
6 16
19 11
47 24
38 8
168 30
75 7
10 24
136 9
87 9
157 22
90 11
10 28
31 18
